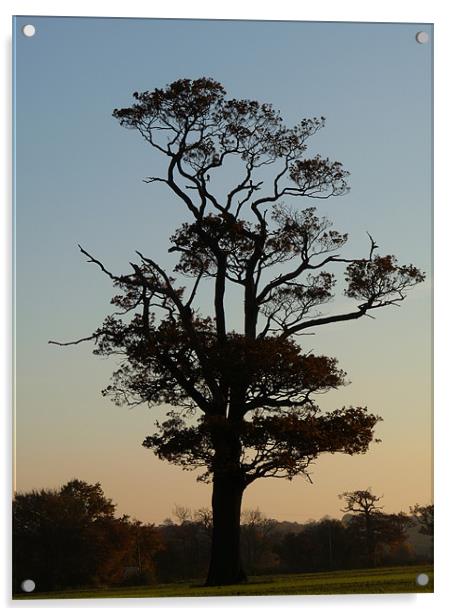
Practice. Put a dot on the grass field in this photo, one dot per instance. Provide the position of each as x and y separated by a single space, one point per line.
381 580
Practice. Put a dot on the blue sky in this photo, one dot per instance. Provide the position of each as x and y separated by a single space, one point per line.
78 180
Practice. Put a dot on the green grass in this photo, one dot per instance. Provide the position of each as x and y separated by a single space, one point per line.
380 580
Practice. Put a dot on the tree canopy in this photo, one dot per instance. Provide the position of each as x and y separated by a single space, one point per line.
70 537
372 525
243 401
258 383
424 516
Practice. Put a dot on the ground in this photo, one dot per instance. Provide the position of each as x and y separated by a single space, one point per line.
380 580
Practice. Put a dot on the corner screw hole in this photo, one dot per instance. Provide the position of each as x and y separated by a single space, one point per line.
28 585
422 37
422 579
29 30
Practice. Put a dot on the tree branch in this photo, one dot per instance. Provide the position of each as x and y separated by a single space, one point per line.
93 337
325 320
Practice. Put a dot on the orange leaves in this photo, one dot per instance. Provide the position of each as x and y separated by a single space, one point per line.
174 356
281 445
274 370
319 175
194 243
381 279
182 98
303 232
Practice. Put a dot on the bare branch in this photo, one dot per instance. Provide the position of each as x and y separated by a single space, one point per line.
91 259
93 337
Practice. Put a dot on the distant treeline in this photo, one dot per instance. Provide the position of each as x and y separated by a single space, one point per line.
71 538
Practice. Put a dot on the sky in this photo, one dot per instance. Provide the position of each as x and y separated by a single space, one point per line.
78 180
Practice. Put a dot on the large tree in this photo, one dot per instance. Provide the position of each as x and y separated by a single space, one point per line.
242 399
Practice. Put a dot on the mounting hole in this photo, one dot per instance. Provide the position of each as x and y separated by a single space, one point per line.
28 585
422 37
422 579
28 30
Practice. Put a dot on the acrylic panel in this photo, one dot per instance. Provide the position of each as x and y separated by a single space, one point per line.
223 265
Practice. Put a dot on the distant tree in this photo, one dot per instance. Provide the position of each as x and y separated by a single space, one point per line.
187 545
242 401
331 538
256 532
182 514
363 502
203 516
144 543
319 546
424 517
378 528
58 535
88 501
391 535
382 536
291 552
69 538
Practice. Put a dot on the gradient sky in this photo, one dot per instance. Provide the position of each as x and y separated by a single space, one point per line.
78 180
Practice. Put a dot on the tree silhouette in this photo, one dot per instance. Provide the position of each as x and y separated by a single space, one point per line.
382 535
69 537
256 530
424 516
318 546
243 401
364 503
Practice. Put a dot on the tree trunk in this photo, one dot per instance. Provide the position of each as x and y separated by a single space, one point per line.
225 561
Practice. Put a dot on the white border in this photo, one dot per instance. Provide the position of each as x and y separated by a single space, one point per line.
434 11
